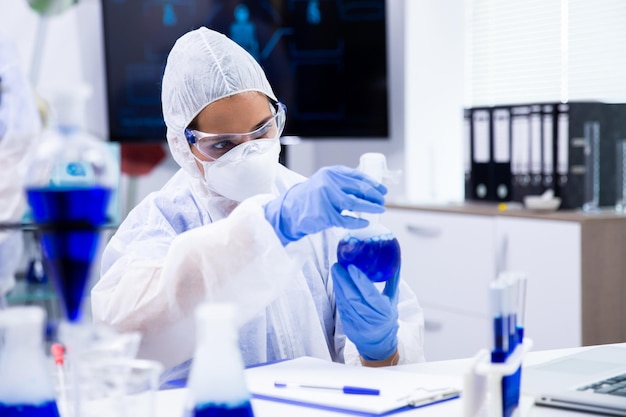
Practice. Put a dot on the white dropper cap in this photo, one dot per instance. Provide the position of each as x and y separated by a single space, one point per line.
68 105
373 164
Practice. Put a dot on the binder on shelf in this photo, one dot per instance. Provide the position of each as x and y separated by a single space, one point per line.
520 151
536 148
398 390
501 121
481 155
562 144
548 154
468 152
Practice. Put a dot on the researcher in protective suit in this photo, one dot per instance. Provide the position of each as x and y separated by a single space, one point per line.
20 124
233 225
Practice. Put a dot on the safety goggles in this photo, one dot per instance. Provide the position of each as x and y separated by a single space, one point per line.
214 145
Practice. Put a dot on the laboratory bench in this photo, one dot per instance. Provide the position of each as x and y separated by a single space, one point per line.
172 402
574 261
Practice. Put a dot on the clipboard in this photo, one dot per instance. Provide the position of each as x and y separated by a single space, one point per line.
398 390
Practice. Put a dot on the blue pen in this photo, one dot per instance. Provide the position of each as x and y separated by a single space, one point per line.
346 389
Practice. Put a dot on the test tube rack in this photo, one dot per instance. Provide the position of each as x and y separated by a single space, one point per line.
482 384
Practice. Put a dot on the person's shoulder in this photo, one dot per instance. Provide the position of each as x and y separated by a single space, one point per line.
173 203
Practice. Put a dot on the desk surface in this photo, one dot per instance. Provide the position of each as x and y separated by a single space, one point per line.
170 403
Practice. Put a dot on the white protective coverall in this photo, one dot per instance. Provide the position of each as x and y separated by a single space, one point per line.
184 244
20 124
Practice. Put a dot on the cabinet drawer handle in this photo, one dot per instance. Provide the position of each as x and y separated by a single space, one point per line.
423 231
432 326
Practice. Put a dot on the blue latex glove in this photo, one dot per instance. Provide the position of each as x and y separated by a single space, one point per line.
369 317
316 204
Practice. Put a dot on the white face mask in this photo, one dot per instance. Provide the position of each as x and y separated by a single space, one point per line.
244 171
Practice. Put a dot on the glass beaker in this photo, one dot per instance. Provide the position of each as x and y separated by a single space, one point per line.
217 385
592 166
26 387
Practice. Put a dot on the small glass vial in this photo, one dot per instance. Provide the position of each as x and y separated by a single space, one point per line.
373 249
26 388
217 383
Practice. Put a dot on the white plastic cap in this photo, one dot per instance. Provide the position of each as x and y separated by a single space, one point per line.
373 164
68 104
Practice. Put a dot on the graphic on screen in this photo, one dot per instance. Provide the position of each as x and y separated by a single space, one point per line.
326 60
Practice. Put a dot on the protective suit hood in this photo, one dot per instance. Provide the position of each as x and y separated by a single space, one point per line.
202 67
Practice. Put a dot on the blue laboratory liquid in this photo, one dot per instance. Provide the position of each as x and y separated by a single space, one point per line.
47 409
377 257
69 219
224 410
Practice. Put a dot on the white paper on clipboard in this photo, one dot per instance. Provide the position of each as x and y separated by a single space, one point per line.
397 389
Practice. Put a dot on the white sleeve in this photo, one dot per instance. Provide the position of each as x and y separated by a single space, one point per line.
411 331
238 259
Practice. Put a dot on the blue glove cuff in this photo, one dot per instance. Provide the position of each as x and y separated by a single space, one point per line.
382 350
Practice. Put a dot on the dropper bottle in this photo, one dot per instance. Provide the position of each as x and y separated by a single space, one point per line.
373 249
217 383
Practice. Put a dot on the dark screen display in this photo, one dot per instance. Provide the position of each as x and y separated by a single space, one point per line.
325 59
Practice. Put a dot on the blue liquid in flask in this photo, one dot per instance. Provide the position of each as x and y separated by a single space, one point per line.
69 219
374 250
47 409
224 410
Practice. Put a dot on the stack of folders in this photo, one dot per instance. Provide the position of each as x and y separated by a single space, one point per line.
356 390
513 151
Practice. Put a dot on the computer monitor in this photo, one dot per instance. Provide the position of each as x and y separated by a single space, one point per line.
326 60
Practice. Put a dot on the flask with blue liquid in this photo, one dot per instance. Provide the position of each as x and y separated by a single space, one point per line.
26 388
69 181
373 249
217 385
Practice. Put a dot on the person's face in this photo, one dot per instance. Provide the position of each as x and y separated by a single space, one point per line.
240 113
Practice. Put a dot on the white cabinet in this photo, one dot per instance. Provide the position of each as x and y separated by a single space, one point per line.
449 256
448 260
549 252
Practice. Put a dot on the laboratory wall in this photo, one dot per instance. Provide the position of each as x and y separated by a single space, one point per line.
425 79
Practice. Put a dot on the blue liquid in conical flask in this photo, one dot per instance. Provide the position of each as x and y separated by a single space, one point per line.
48 409
224 410
377 256
69 220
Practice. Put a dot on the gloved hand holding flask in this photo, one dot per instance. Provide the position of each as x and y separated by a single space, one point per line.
369 317
317 203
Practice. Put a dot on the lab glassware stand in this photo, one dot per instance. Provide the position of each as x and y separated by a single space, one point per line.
69 181
492 384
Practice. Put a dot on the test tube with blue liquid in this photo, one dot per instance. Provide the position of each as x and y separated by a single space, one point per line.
507 295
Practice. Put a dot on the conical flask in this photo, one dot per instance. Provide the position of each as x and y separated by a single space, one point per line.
69 181
373 249
217 385
25 383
